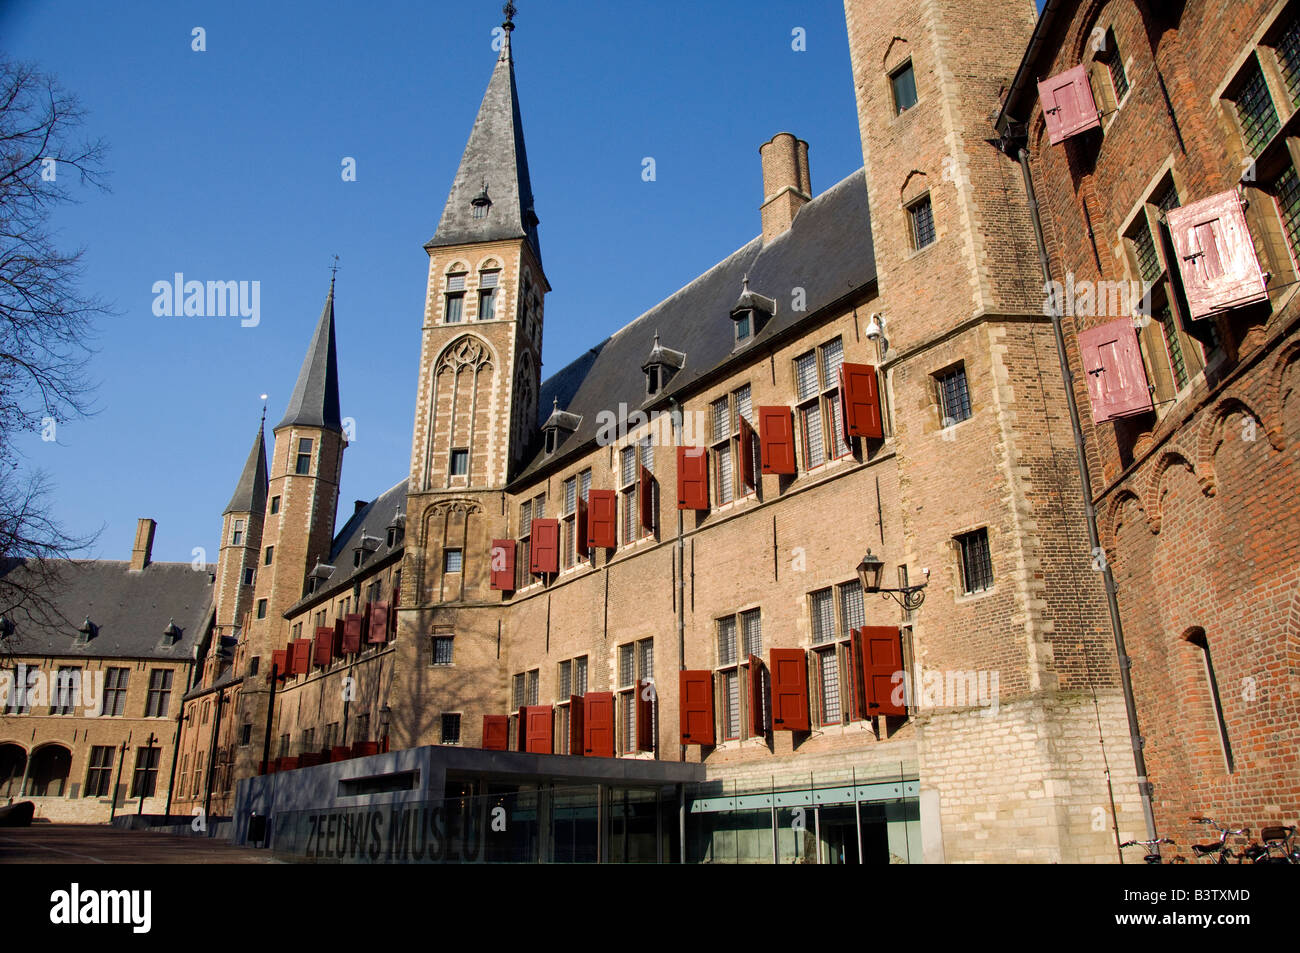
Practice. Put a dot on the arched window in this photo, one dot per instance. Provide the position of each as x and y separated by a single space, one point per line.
49 771
13 763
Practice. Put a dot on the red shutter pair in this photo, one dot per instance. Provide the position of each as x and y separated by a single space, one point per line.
496 732
545 553
352 625
878 654
503 565
598 724
602 519
645 716
323 645
1068 106
692 478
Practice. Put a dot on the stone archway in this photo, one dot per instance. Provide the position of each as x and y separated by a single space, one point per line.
13 765
48 775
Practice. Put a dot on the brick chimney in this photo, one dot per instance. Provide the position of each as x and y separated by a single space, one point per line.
142 554
787 186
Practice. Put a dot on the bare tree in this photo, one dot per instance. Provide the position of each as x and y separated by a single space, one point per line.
46 321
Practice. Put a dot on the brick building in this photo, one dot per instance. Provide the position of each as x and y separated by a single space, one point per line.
653 555
1162 144
90 674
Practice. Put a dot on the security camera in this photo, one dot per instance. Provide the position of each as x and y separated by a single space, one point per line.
925 573
875 327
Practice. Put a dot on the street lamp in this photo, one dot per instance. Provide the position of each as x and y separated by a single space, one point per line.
869 570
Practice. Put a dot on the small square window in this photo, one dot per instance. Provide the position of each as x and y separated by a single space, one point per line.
451 560
742 326
976 561
921 217
302 465
954 397
451 729
261 608
459 462
270 554
275 505
903 83
442 649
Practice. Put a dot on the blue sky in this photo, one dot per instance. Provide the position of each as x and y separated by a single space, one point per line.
225 164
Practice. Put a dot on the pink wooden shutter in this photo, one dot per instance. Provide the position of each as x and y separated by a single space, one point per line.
1216 255
1068 106
1112 363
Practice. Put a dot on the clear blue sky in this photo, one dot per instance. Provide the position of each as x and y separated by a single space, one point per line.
226 165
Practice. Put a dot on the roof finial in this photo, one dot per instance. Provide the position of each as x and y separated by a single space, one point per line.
555 403
745 282
508 26
262 425
334 270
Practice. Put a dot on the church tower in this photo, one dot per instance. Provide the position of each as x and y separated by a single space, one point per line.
476 407
301 501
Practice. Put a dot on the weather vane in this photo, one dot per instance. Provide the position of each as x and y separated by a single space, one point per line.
334 270
264 409
510 11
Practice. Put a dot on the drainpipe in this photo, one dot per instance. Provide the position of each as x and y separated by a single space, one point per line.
675 416
1081 460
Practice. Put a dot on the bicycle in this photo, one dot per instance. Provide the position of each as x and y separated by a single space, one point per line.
1274 839
1152 846
1205 852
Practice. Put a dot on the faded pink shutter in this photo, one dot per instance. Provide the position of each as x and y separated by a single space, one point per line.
1068 106
1216 255
1112 363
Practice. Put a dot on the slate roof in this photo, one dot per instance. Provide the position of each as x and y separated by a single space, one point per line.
495 157
250 491
315 398
827 252
372 519
130 609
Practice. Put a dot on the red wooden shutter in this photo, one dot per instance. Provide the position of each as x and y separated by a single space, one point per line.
301 656
602 519
336 645
882 658
646 500
776 439
503 565
545 554
747 454
496 732
322 645
645 716
1112 364
539 722
790 690
378 622
860 401
598 724
697 708
582 528
521 729
1068 106
289 653
577 737
857 672
692 478
1216 255
757 723
352 633
279 659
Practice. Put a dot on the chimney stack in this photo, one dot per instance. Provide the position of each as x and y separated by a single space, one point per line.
787 186
142 554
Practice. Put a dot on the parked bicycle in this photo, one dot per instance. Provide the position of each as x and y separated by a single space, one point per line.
1218 852
1276 847
1153 848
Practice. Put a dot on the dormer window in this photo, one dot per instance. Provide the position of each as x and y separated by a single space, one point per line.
396 530
752 310
659 368
480 204
559 425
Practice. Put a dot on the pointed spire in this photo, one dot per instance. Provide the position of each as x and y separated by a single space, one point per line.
315 400
494 163
250 491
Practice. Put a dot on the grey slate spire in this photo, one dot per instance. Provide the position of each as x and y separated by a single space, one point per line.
250 491
494 167
315 399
